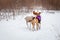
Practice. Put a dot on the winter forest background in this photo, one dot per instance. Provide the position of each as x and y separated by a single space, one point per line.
13 25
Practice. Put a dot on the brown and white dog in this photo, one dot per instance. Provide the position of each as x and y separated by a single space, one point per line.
33 20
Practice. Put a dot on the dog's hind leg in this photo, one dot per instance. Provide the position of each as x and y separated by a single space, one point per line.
27 24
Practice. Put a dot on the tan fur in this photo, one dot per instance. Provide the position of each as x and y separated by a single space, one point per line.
35 21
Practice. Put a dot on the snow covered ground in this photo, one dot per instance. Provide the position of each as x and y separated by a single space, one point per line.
17 29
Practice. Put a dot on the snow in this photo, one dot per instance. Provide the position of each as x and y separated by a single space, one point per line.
17 29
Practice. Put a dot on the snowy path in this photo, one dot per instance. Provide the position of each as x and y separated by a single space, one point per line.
16 29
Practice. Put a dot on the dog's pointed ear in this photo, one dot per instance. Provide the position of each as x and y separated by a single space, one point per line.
39 12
